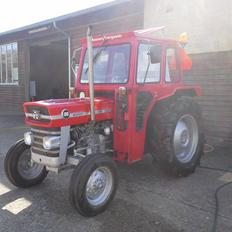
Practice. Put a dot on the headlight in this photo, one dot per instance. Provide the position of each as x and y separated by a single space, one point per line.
51 142
28 138
82 95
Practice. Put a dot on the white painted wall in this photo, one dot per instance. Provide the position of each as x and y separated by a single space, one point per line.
207 22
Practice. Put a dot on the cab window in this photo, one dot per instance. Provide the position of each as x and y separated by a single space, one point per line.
110 64
172 73
147 72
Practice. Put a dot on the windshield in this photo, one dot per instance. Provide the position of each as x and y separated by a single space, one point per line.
110 66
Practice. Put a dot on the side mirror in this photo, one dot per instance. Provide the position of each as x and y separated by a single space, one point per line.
155 54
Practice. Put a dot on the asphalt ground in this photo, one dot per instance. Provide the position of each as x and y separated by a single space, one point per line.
146 200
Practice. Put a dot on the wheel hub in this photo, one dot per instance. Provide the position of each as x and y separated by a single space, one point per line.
99 186
185 138
27 168
96 184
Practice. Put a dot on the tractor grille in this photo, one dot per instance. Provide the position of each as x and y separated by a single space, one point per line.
38 113
42 110
37 145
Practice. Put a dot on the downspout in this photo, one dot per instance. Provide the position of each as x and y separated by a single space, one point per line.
69 54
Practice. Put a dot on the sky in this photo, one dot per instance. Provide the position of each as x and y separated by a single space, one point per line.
19 13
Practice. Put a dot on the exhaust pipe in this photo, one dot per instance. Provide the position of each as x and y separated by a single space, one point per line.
90 72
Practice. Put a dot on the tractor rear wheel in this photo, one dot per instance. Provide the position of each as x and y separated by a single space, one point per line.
20 169
175 135
93 184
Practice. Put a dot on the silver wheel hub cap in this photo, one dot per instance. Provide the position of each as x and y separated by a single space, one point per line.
99 186
27 168
185 138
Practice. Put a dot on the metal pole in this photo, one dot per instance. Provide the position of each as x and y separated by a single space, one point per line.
69 67
90 72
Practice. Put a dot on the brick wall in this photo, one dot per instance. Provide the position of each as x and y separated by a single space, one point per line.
13 96
213 71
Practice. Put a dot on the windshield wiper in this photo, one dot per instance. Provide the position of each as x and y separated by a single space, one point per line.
95 58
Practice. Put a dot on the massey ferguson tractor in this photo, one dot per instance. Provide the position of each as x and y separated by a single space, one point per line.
129 100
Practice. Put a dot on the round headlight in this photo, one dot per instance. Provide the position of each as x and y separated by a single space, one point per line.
82 95
28 138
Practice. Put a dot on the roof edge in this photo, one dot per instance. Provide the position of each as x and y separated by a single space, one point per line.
66 16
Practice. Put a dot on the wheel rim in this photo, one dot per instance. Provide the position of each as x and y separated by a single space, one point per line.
185 138
27 168
99 186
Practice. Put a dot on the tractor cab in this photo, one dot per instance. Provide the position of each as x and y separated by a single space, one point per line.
135 70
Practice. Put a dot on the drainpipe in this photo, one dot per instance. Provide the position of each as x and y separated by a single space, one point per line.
90 72
69 54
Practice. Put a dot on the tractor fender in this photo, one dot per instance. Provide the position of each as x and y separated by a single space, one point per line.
191 91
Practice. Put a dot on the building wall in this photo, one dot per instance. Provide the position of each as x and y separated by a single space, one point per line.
208 24
214 72
13 96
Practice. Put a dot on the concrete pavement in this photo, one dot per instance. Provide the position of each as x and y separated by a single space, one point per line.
146 200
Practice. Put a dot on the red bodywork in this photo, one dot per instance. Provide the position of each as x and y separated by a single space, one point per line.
78 109
128 143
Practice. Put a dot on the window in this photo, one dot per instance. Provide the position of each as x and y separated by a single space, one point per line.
110 64
172 67
147 72
8 64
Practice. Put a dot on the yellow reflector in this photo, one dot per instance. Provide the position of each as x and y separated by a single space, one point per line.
183 38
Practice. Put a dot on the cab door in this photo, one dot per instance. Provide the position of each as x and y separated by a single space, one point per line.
147 83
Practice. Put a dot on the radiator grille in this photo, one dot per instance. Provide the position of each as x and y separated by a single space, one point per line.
37 145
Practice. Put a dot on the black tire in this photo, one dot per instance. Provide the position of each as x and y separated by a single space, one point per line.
11 166
162 125
78 184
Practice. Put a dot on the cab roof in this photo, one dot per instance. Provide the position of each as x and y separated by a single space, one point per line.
145 34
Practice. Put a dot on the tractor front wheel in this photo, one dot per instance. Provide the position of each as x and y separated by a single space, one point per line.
176 137
20 169
93 184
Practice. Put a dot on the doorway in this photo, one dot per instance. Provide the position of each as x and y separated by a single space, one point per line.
49 70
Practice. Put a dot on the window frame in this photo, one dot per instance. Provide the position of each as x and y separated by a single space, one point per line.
11 44
108 45
160 77
177 63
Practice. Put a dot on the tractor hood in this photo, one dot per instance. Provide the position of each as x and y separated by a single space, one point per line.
66 112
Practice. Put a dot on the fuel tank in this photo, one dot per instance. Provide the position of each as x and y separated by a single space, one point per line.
66 112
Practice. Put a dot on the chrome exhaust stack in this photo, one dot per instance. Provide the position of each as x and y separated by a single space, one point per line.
90 72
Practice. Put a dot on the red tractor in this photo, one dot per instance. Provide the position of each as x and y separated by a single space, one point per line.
129 100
